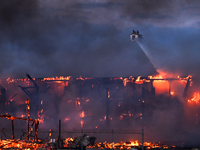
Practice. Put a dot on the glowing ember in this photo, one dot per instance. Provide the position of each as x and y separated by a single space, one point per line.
57 78
66 119
82 122
82 115
41 116
68 143
20 144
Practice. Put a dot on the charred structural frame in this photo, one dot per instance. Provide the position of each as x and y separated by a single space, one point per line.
33 87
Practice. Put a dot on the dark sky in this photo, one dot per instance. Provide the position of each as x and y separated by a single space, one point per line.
92 38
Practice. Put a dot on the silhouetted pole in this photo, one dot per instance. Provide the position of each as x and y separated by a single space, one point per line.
36 129
143 138
59 136
28 119
107 107
13 135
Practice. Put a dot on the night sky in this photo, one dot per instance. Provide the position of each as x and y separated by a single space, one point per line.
92 38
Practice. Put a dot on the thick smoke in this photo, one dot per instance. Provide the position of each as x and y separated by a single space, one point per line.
91 39
41 42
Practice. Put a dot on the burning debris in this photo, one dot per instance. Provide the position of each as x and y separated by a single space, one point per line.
28 119
73 143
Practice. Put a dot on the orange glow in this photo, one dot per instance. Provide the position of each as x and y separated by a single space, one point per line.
77 103
138 80
80 78
172 93
23 116
125 80
22 144
82 122
119 105
66 119
108 94
41 116
161 86
56 78
195 98
82 114
128 145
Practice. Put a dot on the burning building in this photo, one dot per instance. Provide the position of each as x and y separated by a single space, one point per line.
119 98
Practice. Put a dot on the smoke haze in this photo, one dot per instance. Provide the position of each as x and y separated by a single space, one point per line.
92 39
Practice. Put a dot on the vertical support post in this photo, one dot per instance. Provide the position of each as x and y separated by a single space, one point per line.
186 87
28 119
81 139
13 135
36 129
107 107
31 129
112 139
59 136
50 135
169 81
59 129
142 138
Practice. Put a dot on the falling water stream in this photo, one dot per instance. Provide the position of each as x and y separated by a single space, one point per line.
147 52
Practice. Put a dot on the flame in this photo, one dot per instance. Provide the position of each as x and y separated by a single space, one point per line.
138 80
82 114
125 81
128 145
161 86
69 143
172 93
108 94
20 144
41 116
195 98
56 78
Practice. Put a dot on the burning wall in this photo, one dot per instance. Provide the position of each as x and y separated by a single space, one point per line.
99 103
